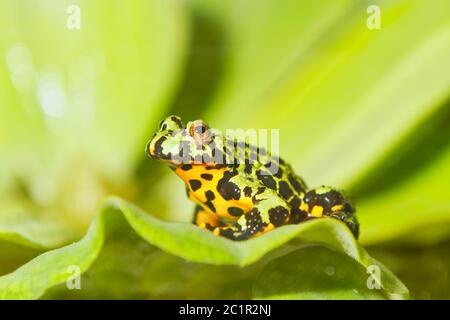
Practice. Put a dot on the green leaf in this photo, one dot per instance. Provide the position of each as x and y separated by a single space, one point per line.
427 278
36 234
180 239
317 273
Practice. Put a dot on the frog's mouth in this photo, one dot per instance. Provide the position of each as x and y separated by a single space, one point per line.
155 151
164 148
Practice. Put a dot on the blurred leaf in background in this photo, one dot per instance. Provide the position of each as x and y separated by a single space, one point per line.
360 109
77 104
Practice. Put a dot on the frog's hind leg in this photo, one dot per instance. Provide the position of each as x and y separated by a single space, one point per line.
326 201
204 219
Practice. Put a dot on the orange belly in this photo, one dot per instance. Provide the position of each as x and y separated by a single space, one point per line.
202 184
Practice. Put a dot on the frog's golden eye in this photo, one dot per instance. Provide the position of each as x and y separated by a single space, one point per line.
199 130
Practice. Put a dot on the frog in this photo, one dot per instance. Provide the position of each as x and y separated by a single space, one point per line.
240 189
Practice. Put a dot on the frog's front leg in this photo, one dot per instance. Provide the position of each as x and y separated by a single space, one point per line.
269 211
204 219
326 201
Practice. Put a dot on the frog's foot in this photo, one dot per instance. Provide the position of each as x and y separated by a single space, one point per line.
249 224
349 219
233 232
204 219
236 232
264 216
326 201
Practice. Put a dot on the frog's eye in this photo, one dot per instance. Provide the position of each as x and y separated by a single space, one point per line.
199 130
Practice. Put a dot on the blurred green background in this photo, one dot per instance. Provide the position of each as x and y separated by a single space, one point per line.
364 110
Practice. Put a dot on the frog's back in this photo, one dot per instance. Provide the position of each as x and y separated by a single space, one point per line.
276 174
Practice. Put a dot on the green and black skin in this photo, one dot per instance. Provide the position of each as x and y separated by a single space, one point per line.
241 190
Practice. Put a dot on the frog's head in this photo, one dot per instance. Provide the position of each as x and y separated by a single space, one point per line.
178 144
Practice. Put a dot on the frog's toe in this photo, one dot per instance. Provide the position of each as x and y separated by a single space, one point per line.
233 233
350 221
